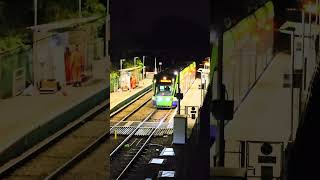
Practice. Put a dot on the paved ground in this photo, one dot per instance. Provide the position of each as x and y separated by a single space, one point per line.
21 114
265 115
191 98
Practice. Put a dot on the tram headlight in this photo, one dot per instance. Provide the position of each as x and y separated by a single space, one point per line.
159 99
168 99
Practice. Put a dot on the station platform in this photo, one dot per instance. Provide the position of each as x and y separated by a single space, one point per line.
118 99
26 120
264 117
265 114
191 98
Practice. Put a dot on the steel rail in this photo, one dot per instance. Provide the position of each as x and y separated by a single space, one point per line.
129 103
15 163
142 147
132 133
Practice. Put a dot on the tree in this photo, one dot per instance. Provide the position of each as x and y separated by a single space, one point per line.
17 15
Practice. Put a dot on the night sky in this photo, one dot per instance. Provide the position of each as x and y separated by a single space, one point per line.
177 28
173 28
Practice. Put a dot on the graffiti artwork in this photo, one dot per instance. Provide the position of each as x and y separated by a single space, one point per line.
74 66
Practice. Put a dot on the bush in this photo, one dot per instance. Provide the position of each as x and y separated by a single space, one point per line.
10 42
114 79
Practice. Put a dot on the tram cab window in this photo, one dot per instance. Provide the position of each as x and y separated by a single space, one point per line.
164 90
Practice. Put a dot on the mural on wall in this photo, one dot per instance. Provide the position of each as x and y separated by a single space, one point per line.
74 65
77 65
64 57
67 65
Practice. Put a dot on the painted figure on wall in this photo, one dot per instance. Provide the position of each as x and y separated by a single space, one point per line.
77 66
68 67
133 82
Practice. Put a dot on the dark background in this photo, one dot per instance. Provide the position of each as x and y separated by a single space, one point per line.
176 30
169 29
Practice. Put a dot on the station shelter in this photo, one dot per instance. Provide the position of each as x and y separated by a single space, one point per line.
64 51
130 78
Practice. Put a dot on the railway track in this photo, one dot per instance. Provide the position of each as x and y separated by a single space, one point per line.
69 151
133 146
59 151
96 161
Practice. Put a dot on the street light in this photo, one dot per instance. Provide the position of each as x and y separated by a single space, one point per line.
160 63
292 74
155 65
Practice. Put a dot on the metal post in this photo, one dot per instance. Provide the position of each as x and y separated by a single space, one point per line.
309 35
292 73
107 31
201 88
80 13
318 22
303 34
155 65
34 51
299 113
35 7
239 82
143 70
179 91
317 4
220 93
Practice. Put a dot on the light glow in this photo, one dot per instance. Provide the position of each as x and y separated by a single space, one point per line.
165 80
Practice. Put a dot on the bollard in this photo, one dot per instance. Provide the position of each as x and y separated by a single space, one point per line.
115 134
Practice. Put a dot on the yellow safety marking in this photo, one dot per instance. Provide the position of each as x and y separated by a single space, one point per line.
115 134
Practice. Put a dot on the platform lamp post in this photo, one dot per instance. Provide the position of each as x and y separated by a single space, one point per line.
155 65
221 97
221 108
292 74
179 94
143 68
160 64
34 52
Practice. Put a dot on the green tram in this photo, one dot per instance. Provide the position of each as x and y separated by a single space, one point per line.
165 85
